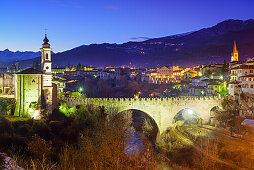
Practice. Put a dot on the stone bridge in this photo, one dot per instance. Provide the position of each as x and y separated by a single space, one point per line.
162 110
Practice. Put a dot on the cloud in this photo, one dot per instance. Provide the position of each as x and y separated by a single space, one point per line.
111 7
139 38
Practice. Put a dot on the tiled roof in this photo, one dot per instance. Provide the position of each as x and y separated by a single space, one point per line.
213 83
30 71
248 75
234 82
243 67
197 87
196 77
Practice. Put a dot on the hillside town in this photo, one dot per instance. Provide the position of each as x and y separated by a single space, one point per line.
215 79
131 84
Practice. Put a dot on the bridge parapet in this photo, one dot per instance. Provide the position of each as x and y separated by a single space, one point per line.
182 98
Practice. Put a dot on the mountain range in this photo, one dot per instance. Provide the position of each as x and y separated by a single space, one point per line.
207 45
9 56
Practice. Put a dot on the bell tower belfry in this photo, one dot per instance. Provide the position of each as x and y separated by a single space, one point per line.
46 63
234 55
46 56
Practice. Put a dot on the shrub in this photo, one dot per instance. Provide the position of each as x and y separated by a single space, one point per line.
15 142
7 106
42 129
6 126
1 160
24 130
56 126
39 148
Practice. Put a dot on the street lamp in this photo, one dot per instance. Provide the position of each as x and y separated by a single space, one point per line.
80 89
190 112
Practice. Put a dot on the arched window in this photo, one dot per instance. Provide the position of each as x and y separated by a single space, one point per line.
47 56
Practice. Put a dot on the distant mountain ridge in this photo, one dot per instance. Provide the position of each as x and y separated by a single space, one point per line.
207 45
9 56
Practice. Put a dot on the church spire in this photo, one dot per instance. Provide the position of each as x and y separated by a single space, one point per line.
235 49
234 56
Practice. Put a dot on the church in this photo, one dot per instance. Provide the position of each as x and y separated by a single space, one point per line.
34 90
241 75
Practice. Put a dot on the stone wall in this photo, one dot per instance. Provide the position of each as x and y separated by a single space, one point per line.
162 110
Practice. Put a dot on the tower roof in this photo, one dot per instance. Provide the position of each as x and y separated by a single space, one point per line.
235 49
46 42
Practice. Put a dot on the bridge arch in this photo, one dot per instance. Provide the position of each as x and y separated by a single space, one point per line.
146 112
143 123
213 114
187 115
202 109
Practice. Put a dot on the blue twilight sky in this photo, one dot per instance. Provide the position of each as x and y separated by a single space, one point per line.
71 23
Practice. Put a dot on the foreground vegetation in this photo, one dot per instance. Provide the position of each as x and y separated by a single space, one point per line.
87 137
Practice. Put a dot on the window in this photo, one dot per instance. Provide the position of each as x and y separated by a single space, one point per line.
47 57
251 71
251 86
33 81
47 67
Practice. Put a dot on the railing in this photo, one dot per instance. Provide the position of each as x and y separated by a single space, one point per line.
144 99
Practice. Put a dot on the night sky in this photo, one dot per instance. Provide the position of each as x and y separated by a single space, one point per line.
71 23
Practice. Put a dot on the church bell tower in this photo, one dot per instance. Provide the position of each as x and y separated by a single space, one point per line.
46 56
234 56
47 76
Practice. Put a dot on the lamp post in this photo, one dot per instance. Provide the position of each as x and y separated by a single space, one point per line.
81 89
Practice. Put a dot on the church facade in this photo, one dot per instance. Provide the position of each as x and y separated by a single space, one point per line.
34 90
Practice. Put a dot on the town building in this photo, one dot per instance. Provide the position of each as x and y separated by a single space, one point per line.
162 75
6 83
241 76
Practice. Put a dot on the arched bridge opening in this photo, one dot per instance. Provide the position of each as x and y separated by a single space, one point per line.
213 113
145 126
187 116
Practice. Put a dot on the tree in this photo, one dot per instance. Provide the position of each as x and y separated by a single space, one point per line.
79 67
225 67
227 117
